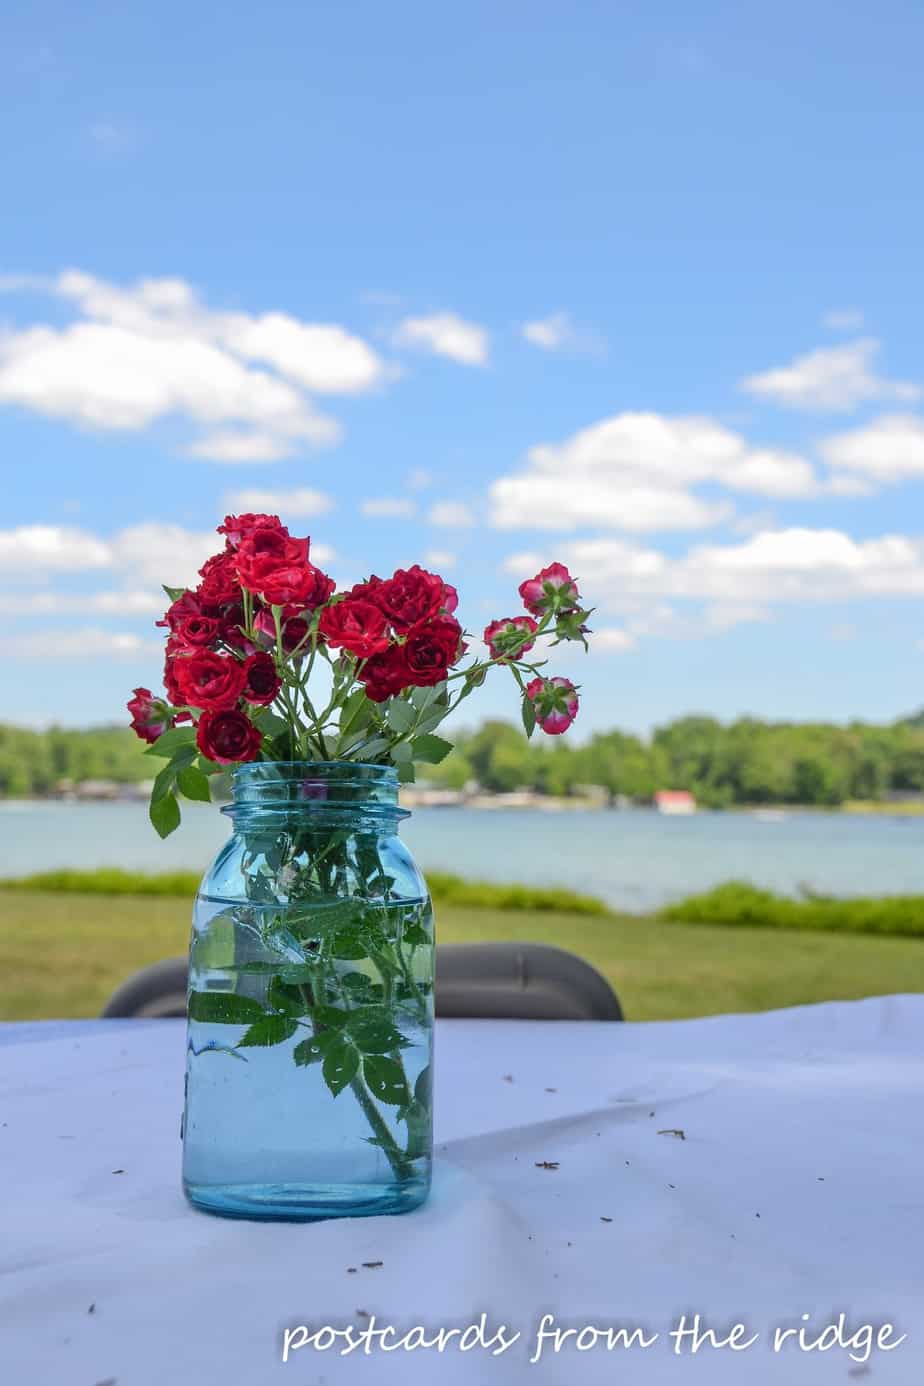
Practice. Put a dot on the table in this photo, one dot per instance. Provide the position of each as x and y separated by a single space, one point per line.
751 1169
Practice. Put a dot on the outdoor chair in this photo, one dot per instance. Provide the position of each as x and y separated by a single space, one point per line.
477 981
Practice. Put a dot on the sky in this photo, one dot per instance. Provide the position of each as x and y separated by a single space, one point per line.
636 287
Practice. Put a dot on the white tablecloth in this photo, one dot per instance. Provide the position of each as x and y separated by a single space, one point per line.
796 1189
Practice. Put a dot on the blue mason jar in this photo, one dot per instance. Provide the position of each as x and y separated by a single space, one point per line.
308 1081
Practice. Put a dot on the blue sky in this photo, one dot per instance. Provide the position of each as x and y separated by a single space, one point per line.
632 286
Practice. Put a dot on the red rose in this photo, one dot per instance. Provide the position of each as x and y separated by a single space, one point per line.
303 586
174 692
264 552
238 527
431 647
227 736
185 606
385 675
150 716
556 703
219 584
197 631
357 626
507 638
552 589
261 682
366 591
208 680
411 596
450 597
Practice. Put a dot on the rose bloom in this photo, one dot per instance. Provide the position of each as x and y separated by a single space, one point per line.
238 527
553 588
261 682
556 703
356 626
411 596
265 551
219 585
185 606
208 680
366 591
197 631
301 585
151 716
385 675
431 647
227 736
505 638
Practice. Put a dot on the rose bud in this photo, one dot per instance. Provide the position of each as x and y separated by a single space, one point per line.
552 589
151 716
509 637
555 702
227 737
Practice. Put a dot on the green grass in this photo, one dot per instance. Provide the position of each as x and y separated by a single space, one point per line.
62 954
740 904
445 889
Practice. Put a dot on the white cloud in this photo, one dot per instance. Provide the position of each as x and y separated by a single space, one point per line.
611 640
787 565
440 559
889 449
109 603
445 334
557 332
633 472
843 319
451 515
82 644
33 550
725 615
832 378
549 333
300 503
419 479
138 355
163 553
388 508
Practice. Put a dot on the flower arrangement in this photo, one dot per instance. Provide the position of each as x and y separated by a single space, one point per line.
243 644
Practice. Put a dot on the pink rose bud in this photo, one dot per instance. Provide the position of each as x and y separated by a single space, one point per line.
151 716
552 589
555 702
508 638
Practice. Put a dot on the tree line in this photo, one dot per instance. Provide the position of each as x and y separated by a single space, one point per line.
743 762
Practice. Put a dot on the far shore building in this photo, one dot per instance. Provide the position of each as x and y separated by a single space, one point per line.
674 801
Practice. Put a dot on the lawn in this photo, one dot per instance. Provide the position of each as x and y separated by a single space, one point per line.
62 954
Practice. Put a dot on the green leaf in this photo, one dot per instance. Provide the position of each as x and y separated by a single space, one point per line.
283 997
311 1051
423 1088
406 772
164 813
174 740
401 753
223 1008
297 974
174 593
270 723
192 784
528 713
372 1030
272 1029
430 749
341 1063
331 1016
348 944
400 715
375 747
209 767
386 1079
415 934
431 719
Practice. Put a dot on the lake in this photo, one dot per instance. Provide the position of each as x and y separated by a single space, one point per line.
636 859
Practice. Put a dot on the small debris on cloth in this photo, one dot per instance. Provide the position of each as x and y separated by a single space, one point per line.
551 1089
373 1265
92 1308
363 1314
603 1219
673 1131
351 1270
546 1164
118 1171
507 1077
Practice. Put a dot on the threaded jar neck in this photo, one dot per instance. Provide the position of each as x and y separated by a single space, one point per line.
337 790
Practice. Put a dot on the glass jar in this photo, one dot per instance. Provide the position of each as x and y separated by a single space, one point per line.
308 1081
